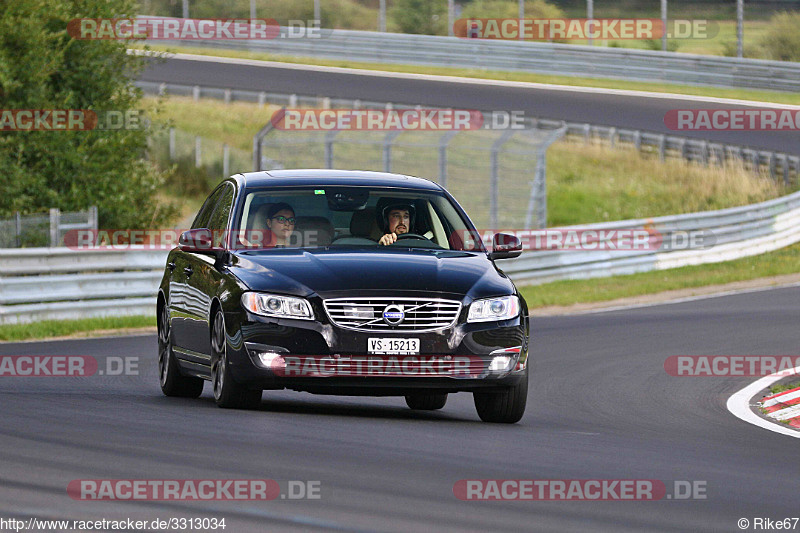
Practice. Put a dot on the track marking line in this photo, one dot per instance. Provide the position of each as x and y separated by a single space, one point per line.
668 302
739 404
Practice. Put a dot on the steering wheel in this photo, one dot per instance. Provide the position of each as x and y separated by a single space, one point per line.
411 236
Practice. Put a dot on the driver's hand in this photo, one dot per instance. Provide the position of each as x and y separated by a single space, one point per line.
388 239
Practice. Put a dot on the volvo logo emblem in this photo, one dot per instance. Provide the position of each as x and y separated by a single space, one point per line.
393 314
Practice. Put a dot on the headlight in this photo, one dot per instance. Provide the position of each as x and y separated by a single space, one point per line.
492 309
276 305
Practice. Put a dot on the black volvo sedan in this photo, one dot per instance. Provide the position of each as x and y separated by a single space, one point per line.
342 282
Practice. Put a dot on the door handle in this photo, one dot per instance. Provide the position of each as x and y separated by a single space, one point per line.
171 266
188 271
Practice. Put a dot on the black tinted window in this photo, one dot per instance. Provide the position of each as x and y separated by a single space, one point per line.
222 209
203 216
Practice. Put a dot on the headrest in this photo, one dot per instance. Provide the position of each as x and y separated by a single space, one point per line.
363 224
315 231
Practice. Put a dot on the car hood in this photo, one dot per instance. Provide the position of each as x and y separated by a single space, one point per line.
331 273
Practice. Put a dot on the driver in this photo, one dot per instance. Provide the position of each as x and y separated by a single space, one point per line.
397 219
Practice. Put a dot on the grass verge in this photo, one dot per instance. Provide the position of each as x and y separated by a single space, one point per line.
84 327
775 389
586 183
568 292
606 83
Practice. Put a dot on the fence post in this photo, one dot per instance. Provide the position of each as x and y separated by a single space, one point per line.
612 134
196 93
262 98
197 152
227 96
387 149
538 199
785 165
292 100
55 221
772 162
93 218
637 140
494 181
444 140
259 137
226 161
662 147
18 229
172 156
329 147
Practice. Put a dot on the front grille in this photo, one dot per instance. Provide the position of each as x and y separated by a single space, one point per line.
366 314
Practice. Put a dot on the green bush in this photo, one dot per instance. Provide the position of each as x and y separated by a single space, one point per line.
782 40
427 17
334 13
505 9
42 67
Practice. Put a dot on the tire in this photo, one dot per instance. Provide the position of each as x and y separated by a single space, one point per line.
426 401
227 393
506 406
170 378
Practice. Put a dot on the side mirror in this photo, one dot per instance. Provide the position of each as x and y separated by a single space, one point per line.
199 241
505 246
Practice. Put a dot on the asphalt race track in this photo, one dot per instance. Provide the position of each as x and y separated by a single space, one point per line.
601 406
625 111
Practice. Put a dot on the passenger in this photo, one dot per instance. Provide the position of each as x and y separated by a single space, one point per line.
281 222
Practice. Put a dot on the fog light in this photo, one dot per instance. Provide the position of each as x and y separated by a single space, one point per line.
272 360
499 363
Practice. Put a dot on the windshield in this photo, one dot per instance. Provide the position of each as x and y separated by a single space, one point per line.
351 217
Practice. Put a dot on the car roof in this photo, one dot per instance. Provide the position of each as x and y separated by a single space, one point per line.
328 178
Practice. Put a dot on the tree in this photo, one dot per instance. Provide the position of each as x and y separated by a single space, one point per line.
42 67
427 17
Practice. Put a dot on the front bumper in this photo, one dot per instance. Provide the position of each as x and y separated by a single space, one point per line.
318 357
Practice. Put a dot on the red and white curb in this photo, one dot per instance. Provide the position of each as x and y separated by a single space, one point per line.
784 405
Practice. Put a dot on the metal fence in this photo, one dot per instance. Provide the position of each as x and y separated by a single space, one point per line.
218 160
498 176
779 165
44 230
56 283
545 58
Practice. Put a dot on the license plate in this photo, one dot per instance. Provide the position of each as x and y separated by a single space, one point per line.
392 346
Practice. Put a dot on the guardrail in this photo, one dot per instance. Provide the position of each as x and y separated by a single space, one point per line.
779 165
39 230
738 232
57 283
60 283
545 58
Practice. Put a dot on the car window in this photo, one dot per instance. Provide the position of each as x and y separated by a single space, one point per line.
203 216
219 217
322 221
